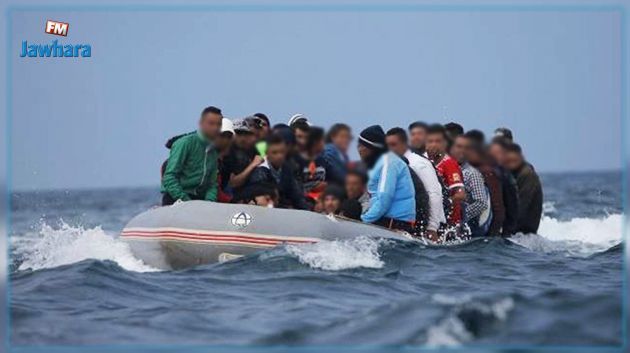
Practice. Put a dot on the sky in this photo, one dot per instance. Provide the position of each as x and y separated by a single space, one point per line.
553 77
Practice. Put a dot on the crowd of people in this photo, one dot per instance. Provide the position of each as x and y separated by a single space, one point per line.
434 181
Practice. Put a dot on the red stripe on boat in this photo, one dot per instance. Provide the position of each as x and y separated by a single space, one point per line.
216 237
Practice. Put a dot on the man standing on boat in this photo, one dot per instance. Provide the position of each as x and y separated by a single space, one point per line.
391 189
191 169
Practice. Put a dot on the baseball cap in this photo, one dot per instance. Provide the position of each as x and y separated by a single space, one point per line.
243 125
297 117
227 126
503 132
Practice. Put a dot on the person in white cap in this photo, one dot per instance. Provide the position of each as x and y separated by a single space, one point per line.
301 127
224 140
223 144
298 118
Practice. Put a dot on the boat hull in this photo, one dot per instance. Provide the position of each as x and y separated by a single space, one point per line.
194 233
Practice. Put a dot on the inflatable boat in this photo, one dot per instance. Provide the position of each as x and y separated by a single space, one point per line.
193 233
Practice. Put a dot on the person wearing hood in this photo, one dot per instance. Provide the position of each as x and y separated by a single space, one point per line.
191 170
391 189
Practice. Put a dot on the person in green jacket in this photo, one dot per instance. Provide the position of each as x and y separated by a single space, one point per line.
191 169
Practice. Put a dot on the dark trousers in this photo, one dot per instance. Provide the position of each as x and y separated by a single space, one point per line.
396 224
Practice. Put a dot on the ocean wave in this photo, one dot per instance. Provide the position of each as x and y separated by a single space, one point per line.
467 319
66 244
575 237
339 255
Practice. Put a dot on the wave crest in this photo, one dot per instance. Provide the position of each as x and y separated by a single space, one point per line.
575 237
467 319
67 244
339 254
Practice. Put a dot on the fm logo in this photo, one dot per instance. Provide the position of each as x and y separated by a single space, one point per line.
57 28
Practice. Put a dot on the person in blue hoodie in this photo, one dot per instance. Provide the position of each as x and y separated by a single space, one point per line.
391 189
335 153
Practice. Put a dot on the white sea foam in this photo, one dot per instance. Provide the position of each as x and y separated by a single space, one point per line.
339 254
65 244
549 207
576 237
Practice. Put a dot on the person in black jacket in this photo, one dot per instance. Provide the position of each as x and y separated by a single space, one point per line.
530 194
276 171
508 183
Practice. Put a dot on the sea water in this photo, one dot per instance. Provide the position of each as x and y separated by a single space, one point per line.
74 282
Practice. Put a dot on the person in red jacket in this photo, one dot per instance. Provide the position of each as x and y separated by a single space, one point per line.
448 170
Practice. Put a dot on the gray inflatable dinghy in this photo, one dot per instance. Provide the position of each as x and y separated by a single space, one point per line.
193 233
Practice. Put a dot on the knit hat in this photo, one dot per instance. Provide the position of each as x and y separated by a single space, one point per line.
373 137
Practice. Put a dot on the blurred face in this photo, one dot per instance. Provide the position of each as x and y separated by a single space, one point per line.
331 204
317 149
364 152
301 137
223 141
277 154
513 161
396 144
497 153
436 143
473 156
417 137
354 186
459 148
245 140
342 140
261 134
210 125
